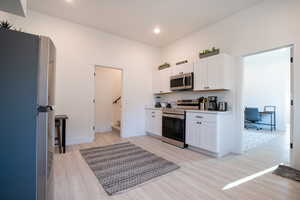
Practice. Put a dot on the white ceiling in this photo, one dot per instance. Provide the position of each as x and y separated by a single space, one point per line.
17 7
136 19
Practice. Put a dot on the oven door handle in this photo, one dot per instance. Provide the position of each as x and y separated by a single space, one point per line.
174 116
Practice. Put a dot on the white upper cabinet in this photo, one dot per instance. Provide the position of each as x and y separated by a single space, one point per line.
200 75
156 82
165 80
182 69
213 73
161 81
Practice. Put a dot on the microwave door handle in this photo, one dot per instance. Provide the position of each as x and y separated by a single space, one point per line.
184 81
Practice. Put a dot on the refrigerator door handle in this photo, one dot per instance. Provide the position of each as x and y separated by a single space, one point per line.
44 109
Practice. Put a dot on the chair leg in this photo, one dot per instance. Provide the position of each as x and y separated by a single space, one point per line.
59 140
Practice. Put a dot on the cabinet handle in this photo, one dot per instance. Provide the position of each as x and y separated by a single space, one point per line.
206 87
199 117
153 112
199 123
153 116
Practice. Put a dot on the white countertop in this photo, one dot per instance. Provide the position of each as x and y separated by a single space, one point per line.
193 111
208 112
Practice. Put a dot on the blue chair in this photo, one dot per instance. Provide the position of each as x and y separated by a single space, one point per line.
252 117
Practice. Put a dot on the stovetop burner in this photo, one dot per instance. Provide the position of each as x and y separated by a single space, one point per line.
182 106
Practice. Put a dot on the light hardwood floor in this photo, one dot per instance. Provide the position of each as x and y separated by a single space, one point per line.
200 177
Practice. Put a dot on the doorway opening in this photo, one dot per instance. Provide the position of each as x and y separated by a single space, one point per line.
108 101
267 94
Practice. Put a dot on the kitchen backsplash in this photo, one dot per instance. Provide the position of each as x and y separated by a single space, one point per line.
173 97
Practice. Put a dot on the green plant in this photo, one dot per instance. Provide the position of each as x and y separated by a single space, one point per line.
6 25
207 51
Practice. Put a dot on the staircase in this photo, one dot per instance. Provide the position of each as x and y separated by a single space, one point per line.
117 126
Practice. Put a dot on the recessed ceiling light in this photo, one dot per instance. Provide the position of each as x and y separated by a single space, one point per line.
156 31
69 1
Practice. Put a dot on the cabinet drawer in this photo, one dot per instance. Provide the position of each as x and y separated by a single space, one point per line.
202 117
154 113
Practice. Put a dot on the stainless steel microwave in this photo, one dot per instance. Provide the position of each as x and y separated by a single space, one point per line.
182 82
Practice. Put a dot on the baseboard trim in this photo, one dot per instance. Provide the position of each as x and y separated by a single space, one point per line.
79 140
154 136
103 130
205 152
132 135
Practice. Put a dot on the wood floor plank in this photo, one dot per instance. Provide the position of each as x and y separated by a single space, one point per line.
199 176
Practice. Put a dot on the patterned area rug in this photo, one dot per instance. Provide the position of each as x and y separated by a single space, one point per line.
287 172
122 166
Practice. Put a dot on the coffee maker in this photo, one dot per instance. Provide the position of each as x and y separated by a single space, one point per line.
212 103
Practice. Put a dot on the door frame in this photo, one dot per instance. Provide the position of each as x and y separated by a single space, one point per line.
292 92
240 100
122 96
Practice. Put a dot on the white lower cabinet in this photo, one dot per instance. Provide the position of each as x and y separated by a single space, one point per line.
154 121
208 132
201 131
209 136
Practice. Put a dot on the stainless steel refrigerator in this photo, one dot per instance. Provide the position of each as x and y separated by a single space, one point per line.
27 82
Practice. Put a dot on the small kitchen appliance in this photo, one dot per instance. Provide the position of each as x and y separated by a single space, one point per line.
157 105
212 103
182 82
222 106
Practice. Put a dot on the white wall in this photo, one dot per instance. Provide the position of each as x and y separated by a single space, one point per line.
108 87
271 24
79 49
267 82
3 15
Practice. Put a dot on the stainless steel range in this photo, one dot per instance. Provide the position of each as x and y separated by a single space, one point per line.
173 122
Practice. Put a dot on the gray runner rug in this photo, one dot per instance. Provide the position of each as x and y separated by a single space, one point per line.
287 172
122 166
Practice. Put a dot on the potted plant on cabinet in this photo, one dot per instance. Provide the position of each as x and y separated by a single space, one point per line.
209 52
